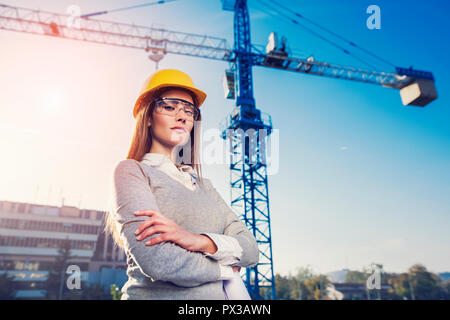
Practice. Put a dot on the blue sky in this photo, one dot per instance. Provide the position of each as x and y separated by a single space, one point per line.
362 178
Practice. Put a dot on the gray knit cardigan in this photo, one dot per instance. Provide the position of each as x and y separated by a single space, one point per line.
166 270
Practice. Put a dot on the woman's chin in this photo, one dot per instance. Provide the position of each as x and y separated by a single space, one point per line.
178 138
181 141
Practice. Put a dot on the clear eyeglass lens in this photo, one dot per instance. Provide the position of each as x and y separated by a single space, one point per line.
171 107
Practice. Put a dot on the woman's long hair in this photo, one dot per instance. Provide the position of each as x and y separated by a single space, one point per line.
141 144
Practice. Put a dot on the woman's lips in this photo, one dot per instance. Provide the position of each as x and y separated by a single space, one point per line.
179 130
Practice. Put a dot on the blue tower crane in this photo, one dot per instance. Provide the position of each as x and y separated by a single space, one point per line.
246 130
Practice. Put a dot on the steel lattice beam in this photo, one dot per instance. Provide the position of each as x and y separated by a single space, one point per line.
113 33
182 43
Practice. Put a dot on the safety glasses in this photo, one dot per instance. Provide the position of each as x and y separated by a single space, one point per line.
171 107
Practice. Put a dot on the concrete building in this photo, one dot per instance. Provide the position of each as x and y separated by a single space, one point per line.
30 235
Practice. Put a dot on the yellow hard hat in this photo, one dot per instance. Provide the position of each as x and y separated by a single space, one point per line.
167 78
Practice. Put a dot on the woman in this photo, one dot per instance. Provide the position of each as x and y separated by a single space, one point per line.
180 237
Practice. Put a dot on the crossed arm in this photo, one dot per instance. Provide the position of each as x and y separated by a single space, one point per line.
167 261
236 229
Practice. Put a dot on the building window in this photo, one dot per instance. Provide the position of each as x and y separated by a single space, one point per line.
22 208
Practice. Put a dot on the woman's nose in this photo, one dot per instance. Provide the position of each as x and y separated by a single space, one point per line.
181 115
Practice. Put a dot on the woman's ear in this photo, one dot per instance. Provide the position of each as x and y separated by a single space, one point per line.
149 123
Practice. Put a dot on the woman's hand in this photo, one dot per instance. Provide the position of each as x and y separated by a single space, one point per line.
169 231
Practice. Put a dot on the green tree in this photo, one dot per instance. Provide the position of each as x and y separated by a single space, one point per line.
58 271
425 285
7 291
401 286
389 280
303 285
115 292
282 287
316 287
299 291
417 283
356 277
446 290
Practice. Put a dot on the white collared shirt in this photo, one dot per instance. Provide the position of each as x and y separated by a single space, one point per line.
228 249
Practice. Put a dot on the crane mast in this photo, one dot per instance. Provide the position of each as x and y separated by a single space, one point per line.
247 134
